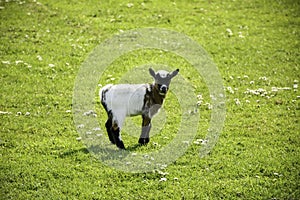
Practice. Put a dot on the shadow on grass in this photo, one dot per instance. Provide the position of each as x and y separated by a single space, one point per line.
70 153
106 153
134 147
97 149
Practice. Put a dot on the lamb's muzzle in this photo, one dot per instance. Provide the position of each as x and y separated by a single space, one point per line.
124 100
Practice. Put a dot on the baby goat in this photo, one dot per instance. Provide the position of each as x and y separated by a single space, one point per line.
124 100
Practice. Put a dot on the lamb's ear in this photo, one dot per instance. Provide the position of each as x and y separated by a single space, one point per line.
174 73
152 72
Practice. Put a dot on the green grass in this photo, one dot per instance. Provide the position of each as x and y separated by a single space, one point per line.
43 44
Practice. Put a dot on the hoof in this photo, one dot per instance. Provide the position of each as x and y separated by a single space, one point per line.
144 141
112 142
120 145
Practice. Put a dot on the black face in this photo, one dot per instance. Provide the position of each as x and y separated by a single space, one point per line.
162 89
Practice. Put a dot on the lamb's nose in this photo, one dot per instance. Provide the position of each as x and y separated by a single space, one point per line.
163 88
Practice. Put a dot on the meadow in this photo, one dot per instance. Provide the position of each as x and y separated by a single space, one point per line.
254 44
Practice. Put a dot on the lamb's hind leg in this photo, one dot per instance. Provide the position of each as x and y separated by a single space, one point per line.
109 130
113 131
146 126
117 136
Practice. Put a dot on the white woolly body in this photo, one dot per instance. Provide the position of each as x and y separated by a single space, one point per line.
124 100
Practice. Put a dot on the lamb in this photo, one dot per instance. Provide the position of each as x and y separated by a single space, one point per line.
124 100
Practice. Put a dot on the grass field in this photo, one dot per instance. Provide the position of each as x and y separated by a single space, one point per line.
255 45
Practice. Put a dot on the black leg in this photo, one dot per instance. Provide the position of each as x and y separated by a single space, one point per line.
108 126
146 126
117 138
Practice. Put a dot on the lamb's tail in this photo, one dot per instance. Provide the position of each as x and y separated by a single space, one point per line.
103 91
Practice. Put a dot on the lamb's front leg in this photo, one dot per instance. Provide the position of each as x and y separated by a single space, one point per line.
146 126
